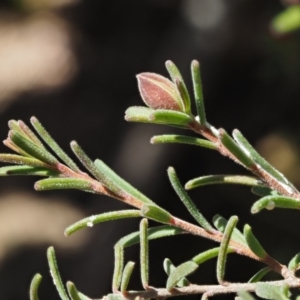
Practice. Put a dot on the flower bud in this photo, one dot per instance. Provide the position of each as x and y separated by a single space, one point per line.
159 92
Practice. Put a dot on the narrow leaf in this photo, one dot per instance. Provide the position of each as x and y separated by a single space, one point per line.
181 87
156 213
184 94
153 233
21 160
253 243
31 148
198 91
222 179
173 70
270 202
62 184
55 274
209 254
115 183
180 272
182 139
221 223
14 125
144 253
260 274
221 262
85 160
244 144
242 156
30 134
8 143
118 267
52 144
170 117
268 291
72 291
34 286
110 216
126 275
27 170
83 297
294 262
169 268
187 201
138 114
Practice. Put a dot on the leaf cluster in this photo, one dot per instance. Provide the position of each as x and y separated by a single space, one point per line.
168 103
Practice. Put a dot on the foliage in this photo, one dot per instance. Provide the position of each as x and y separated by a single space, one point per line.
168 103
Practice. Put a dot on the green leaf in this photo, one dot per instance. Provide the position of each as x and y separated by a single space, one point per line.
182 139
126 275
158 116
187 201
222 256
222 179
14 125
116 184
242 156
83 297
221 223
268 291
72 291
21 160
260 274
245 295
244 144
27 170
34 286
179 82
180 272
184 94
288 20
253 243
109 216
208 254
169 268
153 233
270 202
55 274
144 253
263 191
118 267
138 114
31 148
62 184
156 213
170 117
198 91
52 144
177 78
24 130
294 262
85 160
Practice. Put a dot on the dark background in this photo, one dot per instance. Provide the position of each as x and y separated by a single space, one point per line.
73 65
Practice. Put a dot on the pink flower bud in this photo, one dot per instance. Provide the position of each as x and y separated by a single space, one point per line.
159 92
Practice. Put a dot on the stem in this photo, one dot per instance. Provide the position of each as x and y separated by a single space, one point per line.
212 290
270 181
237 247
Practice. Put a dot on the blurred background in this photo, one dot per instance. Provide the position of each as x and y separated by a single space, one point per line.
72 64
